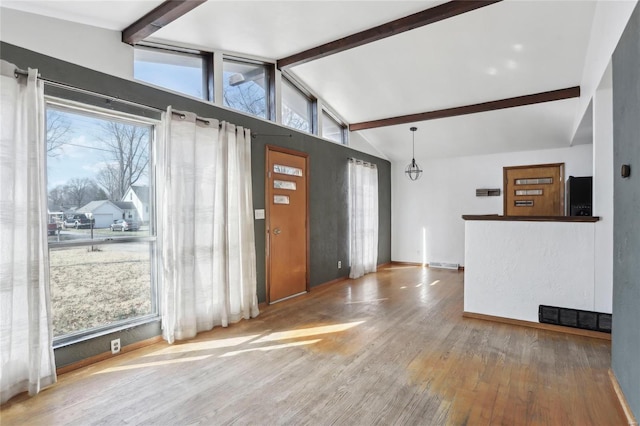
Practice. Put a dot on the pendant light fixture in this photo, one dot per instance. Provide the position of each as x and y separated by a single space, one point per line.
413 170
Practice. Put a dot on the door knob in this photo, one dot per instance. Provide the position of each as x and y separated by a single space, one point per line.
276 231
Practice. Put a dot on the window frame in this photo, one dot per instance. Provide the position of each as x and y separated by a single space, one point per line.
213 83
270 96
85 108
207 67
344 140
313 101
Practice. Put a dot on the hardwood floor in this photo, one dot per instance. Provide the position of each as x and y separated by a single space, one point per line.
389 348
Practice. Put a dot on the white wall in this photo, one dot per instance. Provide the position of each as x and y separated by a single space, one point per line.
433 205
513 267
609 21
90 47
603 172
359 142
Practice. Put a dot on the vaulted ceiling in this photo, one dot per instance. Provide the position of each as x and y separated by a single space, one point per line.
503 50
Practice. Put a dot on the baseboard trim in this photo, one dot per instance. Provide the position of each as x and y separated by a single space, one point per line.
328 283
106 355
540 326
395 262
625 410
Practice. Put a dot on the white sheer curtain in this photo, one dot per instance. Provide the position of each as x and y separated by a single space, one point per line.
26 336
363 217
206 226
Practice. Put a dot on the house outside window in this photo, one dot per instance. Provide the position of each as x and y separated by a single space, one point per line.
101 272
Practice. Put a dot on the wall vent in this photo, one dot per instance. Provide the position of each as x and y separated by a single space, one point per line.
444 265
488 192
576 318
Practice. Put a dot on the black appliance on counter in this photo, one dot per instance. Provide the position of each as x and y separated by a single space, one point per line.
579 196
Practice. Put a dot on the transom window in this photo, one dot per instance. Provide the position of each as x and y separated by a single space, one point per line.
333 129
246 87
297 108
101 224
182 72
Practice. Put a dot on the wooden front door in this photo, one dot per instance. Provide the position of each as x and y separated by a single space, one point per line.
536 190
287 223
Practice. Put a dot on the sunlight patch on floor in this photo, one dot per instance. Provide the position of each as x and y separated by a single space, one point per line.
152 364
435 282
271 348
204 345
306 332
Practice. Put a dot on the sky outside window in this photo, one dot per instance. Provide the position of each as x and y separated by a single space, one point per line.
176 71
100 155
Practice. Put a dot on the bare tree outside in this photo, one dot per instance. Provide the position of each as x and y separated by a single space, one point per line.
58 131
79 190
291 119
94 285
108 179
245 87
57 196
127 157
247 97
76 193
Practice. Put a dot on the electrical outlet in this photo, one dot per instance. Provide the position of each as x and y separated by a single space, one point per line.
115 346
339 264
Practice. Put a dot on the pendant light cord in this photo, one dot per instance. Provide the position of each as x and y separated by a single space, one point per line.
413 145
413 149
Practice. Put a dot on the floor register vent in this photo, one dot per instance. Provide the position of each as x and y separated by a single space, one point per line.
576 318
444 265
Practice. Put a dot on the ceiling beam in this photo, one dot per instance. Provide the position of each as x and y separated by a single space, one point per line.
417 20
162 15
536 98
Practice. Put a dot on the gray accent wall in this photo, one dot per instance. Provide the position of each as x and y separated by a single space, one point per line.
327 178
625 356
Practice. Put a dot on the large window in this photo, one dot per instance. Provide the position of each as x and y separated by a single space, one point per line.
180 71
246 87
333 129
297 108
101 223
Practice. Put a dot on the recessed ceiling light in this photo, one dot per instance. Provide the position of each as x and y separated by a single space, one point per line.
492 71
518 47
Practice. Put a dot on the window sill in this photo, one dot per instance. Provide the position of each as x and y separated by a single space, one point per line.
71 339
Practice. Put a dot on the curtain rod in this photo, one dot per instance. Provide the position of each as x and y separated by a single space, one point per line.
19 71
356 160
255 135
54 83
182 116
206 121
22 72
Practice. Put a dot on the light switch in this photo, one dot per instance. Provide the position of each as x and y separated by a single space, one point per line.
259 214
